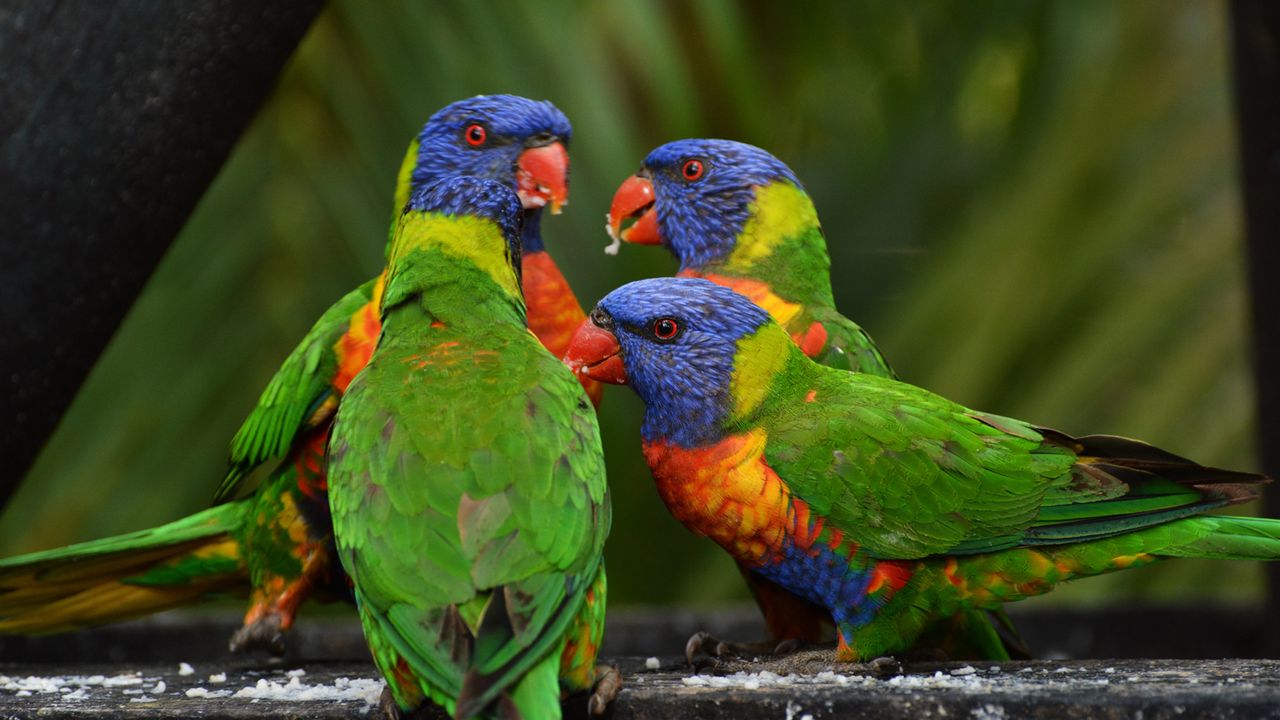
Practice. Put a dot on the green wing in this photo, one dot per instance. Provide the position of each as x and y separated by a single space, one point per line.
470 506
294 400
908 474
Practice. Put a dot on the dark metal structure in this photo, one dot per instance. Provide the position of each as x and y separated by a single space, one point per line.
1256 35
114 118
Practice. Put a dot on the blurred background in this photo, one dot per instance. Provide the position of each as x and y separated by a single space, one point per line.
1032 206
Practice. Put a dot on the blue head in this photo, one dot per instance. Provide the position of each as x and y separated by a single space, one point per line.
674 340
516 141
693 196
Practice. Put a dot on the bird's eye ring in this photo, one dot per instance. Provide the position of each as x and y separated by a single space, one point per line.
692 170
666 328
475 135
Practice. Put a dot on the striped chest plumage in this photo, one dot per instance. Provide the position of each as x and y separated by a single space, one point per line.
554 311
727 492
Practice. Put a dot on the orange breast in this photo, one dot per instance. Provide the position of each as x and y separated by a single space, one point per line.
356 346
729 493
554 311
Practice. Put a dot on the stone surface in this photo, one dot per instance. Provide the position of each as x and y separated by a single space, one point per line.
116 672
806 685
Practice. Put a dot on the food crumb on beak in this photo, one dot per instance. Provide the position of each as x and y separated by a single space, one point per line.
611 248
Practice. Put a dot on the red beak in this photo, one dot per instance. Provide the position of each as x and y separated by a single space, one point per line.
542 177
595 353
634 199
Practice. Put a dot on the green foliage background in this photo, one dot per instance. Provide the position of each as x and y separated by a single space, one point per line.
1032 205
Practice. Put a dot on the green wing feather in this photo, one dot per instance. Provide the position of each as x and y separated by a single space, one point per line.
909 474
290 402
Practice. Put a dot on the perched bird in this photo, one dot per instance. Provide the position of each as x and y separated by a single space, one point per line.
736 215
883 503
467 482
276 544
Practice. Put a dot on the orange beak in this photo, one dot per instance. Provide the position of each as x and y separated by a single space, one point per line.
634 199
542 177
595 353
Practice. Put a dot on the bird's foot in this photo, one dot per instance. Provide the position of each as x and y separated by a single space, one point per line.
705 642
884 667
265 632
387 704
608 683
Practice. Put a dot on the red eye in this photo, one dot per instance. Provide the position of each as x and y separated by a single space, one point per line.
692 170
665 329
476 135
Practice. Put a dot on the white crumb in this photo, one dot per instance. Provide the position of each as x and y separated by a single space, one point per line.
199 692
71 687
342 689
159 688
652 663
988 712
185 669
966 670
612 247
142 699
218 678
296 673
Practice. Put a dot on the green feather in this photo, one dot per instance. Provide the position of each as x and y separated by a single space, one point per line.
290 401
466 479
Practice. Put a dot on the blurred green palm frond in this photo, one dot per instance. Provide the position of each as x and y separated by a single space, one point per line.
1031 205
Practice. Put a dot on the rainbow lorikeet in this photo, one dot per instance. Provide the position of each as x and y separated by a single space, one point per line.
883 503
466 476
276 544
736 215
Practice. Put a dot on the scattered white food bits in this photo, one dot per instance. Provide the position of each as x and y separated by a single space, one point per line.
218 677
966 670
342 689
652 663
185 669
296 673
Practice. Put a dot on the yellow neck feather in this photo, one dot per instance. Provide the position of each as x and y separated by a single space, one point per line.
780 211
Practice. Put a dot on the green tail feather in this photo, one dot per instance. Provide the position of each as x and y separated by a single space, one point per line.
124 576
1232 538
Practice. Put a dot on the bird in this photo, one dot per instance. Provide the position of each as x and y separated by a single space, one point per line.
736 215
886 504
274 543
466 477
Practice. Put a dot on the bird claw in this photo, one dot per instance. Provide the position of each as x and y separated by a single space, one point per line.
265 633
608 683
387 704
884 667
705 642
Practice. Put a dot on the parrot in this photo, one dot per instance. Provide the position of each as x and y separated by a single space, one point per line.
275 544
466 477
881 502
736 215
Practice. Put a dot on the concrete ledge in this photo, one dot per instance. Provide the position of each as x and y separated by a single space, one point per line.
804 686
